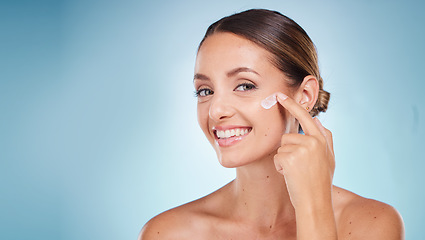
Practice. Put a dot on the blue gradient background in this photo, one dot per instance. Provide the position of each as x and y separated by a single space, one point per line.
98 129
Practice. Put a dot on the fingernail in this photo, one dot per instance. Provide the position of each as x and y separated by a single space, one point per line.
269 101
281 96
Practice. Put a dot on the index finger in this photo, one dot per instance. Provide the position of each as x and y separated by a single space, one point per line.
306 121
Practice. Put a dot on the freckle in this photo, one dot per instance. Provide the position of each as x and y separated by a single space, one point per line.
270 226
158 233
349 233
338 192
265 134
267 176
350 222
374 217
243 189
245 203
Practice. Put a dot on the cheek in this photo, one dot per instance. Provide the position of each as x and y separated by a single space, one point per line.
267 123
275 124
202 110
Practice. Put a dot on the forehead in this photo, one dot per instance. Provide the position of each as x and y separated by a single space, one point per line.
228 50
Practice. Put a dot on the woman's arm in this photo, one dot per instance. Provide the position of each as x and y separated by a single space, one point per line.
307 162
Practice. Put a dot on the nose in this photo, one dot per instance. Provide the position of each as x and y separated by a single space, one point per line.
220 108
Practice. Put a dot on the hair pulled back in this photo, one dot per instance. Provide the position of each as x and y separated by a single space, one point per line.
292 49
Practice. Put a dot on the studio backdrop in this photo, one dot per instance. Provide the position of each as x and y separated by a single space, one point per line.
98 128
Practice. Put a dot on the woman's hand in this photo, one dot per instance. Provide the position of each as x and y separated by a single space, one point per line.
308 164
307 161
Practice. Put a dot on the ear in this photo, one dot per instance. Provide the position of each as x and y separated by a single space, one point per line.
307 93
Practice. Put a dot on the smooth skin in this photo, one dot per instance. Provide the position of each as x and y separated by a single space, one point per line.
283 186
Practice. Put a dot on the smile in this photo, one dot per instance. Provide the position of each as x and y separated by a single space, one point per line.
234 132
229 136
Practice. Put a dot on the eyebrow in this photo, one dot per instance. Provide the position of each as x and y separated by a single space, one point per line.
239 70
231 73
200 77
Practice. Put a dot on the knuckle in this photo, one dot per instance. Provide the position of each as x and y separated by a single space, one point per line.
313 142
290 159
278 163
321 140
302 150
277 158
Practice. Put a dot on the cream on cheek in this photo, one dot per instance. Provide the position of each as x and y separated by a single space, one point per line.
269 101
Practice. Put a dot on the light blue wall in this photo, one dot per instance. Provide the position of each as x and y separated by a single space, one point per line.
98 128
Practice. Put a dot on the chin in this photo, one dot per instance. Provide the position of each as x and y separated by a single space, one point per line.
230 164
236 159
233 162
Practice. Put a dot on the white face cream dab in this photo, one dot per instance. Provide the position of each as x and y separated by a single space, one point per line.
269 101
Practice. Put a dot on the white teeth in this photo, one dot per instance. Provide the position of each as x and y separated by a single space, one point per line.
220 134
231 133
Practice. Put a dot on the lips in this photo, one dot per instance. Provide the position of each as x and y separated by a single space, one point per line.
227 136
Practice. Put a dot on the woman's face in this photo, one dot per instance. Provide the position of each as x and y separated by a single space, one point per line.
232 77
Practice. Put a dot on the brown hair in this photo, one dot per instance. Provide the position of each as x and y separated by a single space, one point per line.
292 49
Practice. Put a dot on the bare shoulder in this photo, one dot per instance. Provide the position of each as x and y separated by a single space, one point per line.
191 219
363 218
177 223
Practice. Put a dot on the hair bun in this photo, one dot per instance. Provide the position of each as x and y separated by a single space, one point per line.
322 102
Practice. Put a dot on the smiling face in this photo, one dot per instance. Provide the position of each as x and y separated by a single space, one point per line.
232 76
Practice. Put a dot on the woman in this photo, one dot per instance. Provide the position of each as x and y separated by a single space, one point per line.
283 188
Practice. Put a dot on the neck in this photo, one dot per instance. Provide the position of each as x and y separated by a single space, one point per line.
260 195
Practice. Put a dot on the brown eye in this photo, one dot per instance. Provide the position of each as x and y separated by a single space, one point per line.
204 92
245 87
